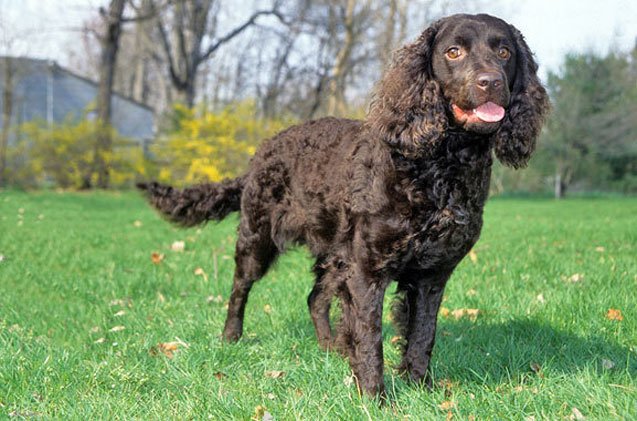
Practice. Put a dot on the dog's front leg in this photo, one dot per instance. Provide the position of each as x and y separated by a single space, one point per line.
420 309
363 313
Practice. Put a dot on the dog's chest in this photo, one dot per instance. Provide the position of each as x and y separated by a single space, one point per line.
448 220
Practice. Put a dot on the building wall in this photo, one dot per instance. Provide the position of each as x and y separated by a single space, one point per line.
42 90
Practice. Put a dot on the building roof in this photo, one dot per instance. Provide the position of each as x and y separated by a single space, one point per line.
44 90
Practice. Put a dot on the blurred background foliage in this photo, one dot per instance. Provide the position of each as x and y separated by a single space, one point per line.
220 83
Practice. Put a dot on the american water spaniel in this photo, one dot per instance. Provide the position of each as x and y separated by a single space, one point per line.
398 196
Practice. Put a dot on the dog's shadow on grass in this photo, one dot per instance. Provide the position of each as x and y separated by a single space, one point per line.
493 353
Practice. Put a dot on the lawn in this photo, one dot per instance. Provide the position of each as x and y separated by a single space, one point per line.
103 316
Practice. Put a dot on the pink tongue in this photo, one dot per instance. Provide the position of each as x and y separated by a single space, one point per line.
489 112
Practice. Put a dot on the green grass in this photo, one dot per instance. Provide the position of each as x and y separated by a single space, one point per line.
75 266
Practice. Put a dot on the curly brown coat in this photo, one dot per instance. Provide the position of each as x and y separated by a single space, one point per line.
398 196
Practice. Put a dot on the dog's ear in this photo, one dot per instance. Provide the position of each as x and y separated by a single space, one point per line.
529 106
408 110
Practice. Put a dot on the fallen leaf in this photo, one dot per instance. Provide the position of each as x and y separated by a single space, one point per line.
446 405
449 416
458 313
24 414
472 313
607 364
577 415
161 297
576 277
614 314
259 413
537 369
271 396
137 224
166 348
473 256
275 374
117 329
444 312
348 381
267 417
267 309
600 249
540 298
471 293
200 272
178 246
156 258
100 341
219 375
214 299
119 313
395 339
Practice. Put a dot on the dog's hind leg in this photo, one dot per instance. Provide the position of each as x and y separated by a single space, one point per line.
255 252
320 299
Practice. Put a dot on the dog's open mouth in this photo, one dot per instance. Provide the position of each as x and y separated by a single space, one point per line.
488 112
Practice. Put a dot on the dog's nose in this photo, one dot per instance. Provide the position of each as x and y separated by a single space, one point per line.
488 81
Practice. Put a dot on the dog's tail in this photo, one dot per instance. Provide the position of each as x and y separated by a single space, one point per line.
197 204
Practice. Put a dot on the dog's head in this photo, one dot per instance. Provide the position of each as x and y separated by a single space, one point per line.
472 73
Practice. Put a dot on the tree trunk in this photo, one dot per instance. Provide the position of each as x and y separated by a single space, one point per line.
336 103
110 46
558 185
7 111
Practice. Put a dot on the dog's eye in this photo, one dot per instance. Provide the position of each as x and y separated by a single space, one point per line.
453 53
504 53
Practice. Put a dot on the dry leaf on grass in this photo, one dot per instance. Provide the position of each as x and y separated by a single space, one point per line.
178 246
473 256
275 374
614 314
219 375
267 309
119 313
166 348
446 405
537 369
156 258
348 381
395 339
444 312
137 224
261 414
577 415
117 328
576 277
471 313
600 249
200 272
214 299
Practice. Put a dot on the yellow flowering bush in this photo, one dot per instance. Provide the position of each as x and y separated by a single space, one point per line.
207 146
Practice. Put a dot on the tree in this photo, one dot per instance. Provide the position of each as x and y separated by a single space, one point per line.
590 137
8 76
185 40
109 46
